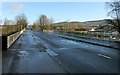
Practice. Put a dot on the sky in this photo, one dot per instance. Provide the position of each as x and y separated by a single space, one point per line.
58 11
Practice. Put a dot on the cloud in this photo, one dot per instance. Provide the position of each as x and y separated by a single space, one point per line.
17 7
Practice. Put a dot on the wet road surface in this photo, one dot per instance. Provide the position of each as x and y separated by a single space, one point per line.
39 52
26 55
80 57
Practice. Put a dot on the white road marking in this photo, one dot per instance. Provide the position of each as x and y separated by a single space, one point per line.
50 52
38 41
104 56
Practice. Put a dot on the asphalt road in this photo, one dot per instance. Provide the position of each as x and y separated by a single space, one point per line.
39 52
26 55
80 57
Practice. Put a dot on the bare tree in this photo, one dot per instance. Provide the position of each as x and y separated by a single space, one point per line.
44 23
21 21
114 12
43 20
50 22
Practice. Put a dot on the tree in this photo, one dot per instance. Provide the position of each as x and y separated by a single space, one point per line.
114 12
33 26
21 21
44 23
50 22
43 20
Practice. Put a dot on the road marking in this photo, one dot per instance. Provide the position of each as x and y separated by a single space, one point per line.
50 52
104 56
38 41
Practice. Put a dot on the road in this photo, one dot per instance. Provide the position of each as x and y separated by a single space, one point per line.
26 55
35 49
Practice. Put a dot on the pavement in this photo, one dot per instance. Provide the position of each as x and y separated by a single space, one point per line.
40 52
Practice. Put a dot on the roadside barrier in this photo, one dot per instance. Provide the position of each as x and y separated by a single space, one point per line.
7 41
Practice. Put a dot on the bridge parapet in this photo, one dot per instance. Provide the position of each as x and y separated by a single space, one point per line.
7 41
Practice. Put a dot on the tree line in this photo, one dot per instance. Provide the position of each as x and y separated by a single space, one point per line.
19 24
113 9
45 23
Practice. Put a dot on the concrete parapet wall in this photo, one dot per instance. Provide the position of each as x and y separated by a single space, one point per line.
13 37
7 41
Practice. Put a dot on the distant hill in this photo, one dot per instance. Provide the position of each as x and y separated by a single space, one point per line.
88 23
71 26
67 23
96 22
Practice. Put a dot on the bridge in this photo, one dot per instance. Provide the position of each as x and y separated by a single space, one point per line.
41 52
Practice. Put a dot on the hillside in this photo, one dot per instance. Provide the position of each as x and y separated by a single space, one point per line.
99 25
96 22
88 23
